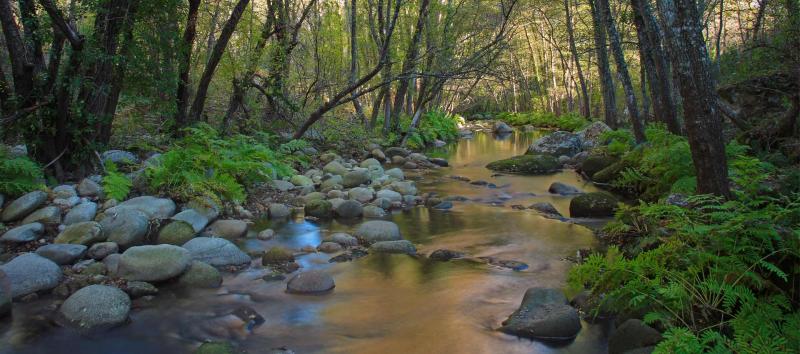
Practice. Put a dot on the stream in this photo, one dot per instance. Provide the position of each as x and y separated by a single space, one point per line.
382 303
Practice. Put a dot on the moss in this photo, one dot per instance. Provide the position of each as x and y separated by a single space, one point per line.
216 348
599 204
176 233
277 255
319 208
526 164
596 163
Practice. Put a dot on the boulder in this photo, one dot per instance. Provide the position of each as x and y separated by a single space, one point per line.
82 233
333 182
64 191
23 206
596 163
590 136
544 315
29 273
153 263
126 226
389 194
527 164
355 178
200 275
439 162
373 211
397 151
563 189
97 306
557 144
344 239
137 289
376 231
196 219
82 212
361 194
310 282
399 246
282 185
50 215
277 255
378 154
152 207
319 208
335 168
301 181
23 234
443 255
336 202
101 250
349 209
329 247
279 211
89 188
370 162
501 128
631 335
403 187
62 253
177 233
227 229
119 157
217 252
545 208
67 203
395 173
598 204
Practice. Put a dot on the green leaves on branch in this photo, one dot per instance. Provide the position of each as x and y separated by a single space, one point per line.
568 121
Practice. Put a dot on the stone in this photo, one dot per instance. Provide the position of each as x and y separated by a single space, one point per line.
50 215
383 203
89 188
395 173
355 178
544 315
101 250
590 135
335 168
24 233
319 209
378 154
344 239
279 211
336 202
127 227
153 263
399 246
82 212
29 273
120 157
217 252
267 234
200 275
97 306
526 164
398 160
370 162
5 301
176 232
23 206
444 255
389 194
598 204
64 191
563 189
397 151
62 253
501 128
282 185
196 219
312 196
82 233
445 205
596 163
277 255
349 209
677 199
65 204
301 181
377 230
545 208
631 335
373 211
227 229
331 183
439 162
410 165
329 247
152 207
310 282
557 144
137 289
112 263
361 194
403 187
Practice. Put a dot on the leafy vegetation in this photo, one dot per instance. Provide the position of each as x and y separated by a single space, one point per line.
203 163
569 121
116 185
435 125
18 175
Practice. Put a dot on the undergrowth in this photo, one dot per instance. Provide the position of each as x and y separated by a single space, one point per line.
116 185
18 174
568 121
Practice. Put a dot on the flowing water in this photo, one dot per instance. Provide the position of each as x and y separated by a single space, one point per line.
383 303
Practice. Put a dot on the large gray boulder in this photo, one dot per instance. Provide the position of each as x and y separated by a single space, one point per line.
23 206
399 246
377 230
23 234
49 215
62 253
355 178
310 282
153 263
89 188
631 335
228 229
279 211
29 273
82 212
361 194
591 205
335 168
196 219
349 209
590 136
97 306
501 128
82 233
544 314
127 227
152 207
557 144
217 252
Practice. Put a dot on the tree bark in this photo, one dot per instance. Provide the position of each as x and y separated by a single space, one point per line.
354 57
603 68
573 49
410 60
185 61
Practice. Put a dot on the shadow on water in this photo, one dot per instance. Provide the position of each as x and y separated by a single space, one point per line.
386 303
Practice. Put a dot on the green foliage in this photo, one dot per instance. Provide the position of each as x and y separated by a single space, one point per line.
204 164
116 185
18 175
434 125
619 141
569 121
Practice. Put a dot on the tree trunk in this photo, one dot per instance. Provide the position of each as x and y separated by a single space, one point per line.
354 58
573 49
603 68
410 60
690 61
21 69
185 61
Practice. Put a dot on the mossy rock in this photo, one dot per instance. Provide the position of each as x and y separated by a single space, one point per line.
217 348
277 255
599 204
319 208
527 164
596 163
176 233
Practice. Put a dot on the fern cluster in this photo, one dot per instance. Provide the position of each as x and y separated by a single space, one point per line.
18 175
569 121
116 185
203 164
434 125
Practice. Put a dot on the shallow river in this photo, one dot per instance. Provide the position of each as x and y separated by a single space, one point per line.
382 303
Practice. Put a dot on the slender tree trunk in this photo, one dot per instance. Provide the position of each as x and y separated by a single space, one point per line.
216 55
354 57
185 60
603 68
762 7
410 60
573 49
690 61
21 68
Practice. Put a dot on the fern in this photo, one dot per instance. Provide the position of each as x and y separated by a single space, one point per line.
18 175
116 185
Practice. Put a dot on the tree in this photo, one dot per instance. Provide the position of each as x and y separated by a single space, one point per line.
585 106
606 83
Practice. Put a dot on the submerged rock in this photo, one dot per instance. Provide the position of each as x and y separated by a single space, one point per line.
545 208
599 204
545 315
200 275
527 164
563 189
377 230
399 246
310 282
97 306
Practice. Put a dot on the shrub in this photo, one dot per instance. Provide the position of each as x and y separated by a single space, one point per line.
116 185
18 175
204 164
568 121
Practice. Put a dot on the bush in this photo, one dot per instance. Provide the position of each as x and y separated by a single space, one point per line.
116 185
18 175
568 121
434 125
204 164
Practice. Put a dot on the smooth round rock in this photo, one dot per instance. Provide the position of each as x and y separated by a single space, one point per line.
372 211
153 263
29 273
389 194
310 282
545 315
377 230
89 188
97 306
319 208
82 212
398 247
61 253
23 206
200 275
23 234
344 239
177 232
82 233
215 251
599 204
196 219
279 211
329 247
227 229
127 227
277 255
48 215
349 209
151 207
101 250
